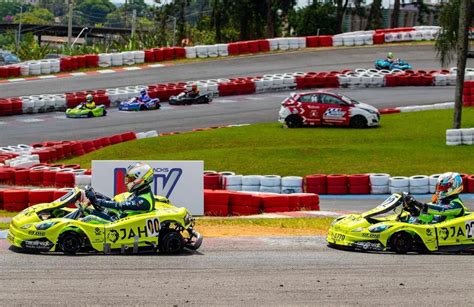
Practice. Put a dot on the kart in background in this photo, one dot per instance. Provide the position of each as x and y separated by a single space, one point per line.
398 64
80 111
136 104
185 99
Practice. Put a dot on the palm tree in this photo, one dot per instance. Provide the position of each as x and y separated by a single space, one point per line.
395 14
455 19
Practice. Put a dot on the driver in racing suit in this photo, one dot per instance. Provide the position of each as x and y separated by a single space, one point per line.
138 178
144 96
89 104
194 92
445 205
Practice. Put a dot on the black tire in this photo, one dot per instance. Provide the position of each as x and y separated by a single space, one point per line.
401 242
90 114
171 242
105 113
293 121
142 108
358 122
70 242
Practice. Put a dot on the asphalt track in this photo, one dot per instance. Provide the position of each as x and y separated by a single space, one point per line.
223 111
294 271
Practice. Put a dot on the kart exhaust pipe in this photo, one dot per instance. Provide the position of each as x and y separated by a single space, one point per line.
197 242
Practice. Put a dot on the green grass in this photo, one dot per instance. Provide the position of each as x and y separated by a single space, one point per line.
405 144
319 223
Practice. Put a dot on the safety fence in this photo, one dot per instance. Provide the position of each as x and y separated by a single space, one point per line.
156 55
358 78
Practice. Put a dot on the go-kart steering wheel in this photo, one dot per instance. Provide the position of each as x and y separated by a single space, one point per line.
96 206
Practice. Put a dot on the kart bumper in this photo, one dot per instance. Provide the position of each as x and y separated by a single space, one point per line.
373 120
195 240
22 239
128 108
76 115
345 241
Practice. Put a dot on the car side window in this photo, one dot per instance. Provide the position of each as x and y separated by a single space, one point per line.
309 98
328 99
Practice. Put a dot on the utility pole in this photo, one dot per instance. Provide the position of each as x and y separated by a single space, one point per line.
134 22
174 31
19 30
69 24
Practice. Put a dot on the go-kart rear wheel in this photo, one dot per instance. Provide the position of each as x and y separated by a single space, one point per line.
105 113
70 242
401 242
171 242
90 114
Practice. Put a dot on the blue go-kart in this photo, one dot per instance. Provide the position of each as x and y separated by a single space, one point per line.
397 64
136 104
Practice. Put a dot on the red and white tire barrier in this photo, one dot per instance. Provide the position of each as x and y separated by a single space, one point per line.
224 203
333 184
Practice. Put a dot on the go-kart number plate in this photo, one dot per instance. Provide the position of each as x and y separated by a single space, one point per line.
153 227
337 236
470 230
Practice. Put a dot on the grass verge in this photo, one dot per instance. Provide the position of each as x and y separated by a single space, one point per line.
405 144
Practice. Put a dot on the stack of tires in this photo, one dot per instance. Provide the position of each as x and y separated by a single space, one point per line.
379 183
251 183
419 184
399 184
270 184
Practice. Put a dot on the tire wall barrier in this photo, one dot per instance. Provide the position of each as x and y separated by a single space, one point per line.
358 78
104 60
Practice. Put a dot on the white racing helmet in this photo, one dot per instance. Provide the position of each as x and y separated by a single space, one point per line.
138 176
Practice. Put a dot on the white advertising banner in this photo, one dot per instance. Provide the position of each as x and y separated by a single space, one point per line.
180 181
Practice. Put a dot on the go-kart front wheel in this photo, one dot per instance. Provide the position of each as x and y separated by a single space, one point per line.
70 242
401 242
171 242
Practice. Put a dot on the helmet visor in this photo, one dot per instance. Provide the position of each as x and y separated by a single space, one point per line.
443 187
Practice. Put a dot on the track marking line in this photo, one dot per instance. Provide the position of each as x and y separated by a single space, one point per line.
132 68
31 120
106 71
225 101
17 80
155 65
78 74
47 77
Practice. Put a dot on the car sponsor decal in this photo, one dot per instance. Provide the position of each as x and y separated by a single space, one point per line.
337 236
36 233
453 231
334 113
371 235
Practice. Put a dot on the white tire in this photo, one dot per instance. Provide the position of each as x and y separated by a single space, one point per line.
399 181
234 187
399 189
232 180
141 135
190 52
419 181
291 190
420 190
105 59
151 134
453 132
251 188
292 181
379 189
79 171
45 67
212 51
83 180
251 180
139 56
379 179
265 189
270 181
450 143
208 171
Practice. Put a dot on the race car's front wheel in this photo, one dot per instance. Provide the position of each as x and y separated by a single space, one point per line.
171 242
401 242
70 242
358 122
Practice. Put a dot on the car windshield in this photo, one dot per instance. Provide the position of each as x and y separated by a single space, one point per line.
349 99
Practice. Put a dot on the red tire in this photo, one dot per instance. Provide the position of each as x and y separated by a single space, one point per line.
359 179
212 181
315 180
64 180
22 177
36 178
244 210
359 189
276 209
275 201
7 175
216 210
115 139
336 180
40 196
49 178
16 196
128 136
321 190
337 189
470 184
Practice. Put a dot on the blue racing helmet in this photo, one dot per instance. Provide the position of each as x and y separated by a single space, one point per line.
143 92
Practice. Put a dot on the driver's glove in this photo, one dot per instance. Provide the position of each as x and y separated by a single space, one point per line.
91 196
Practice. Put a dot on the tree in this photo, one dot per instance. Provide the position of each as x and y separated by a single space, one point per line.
36 16
395 14
341 6
95 11
375 19
12 8
57 7
313 17
455 18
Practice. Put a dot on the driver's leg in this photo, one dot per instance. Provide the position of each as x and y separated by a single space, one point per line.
102 215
